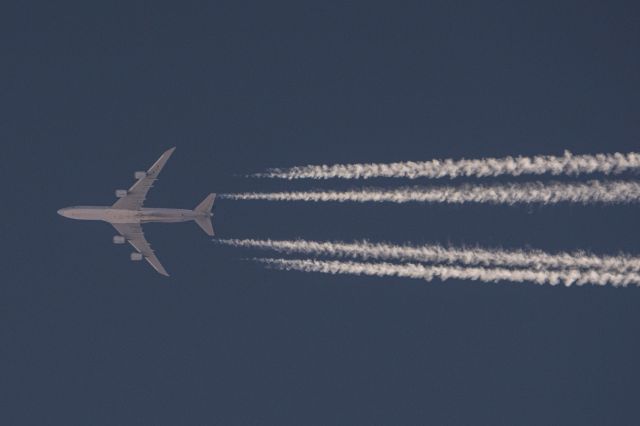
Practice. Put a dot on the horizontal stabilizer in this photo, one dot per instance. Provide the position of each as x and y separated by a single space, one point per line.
205 224
206 205
204 219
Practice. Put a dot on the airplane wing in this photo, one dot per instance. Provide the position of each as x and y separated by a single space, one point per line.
135 236
138 192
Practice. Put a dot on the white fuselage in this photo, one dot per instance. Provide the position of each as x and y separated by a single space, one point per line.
144 215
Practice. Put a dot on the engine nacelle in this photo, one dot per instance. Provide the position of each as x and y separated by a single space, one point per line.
140 175
119 239
136 256
121 193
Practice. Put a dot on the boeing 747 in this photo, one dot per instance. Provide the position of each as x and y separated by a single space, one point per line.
127 214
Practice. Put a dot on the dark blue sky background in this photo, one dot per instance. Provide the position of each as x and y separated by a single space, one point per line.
91 92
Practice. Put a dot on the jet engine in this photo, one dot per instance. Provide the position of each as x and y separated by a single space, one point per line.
119 239
136 256
121 193
140 175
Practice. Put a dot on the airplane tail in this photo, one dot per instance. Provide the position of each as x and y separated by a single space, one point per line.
204 219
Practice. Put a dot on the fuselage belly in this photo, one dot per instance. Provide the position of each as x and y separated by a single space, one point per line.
145 215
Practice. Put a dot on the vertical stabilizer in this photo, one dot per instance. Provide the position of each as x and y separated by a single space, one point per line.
204 218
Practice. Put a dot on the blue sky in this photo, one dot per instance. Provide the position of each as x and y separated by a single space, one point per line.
93 92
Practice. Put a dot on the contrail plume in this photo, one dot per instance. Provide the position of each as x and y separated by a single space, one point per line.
607 192
428 273
529 259
567 164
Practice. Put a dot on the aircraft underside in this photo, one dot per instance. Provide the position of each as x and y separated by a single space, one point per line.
127 214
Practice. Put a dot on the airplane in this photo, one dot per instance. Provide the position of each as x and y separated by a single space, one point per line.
127 214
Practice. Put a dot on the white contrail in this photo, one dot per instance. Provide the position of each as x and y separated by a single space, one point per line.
428 273
544 193
529 259
567 164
